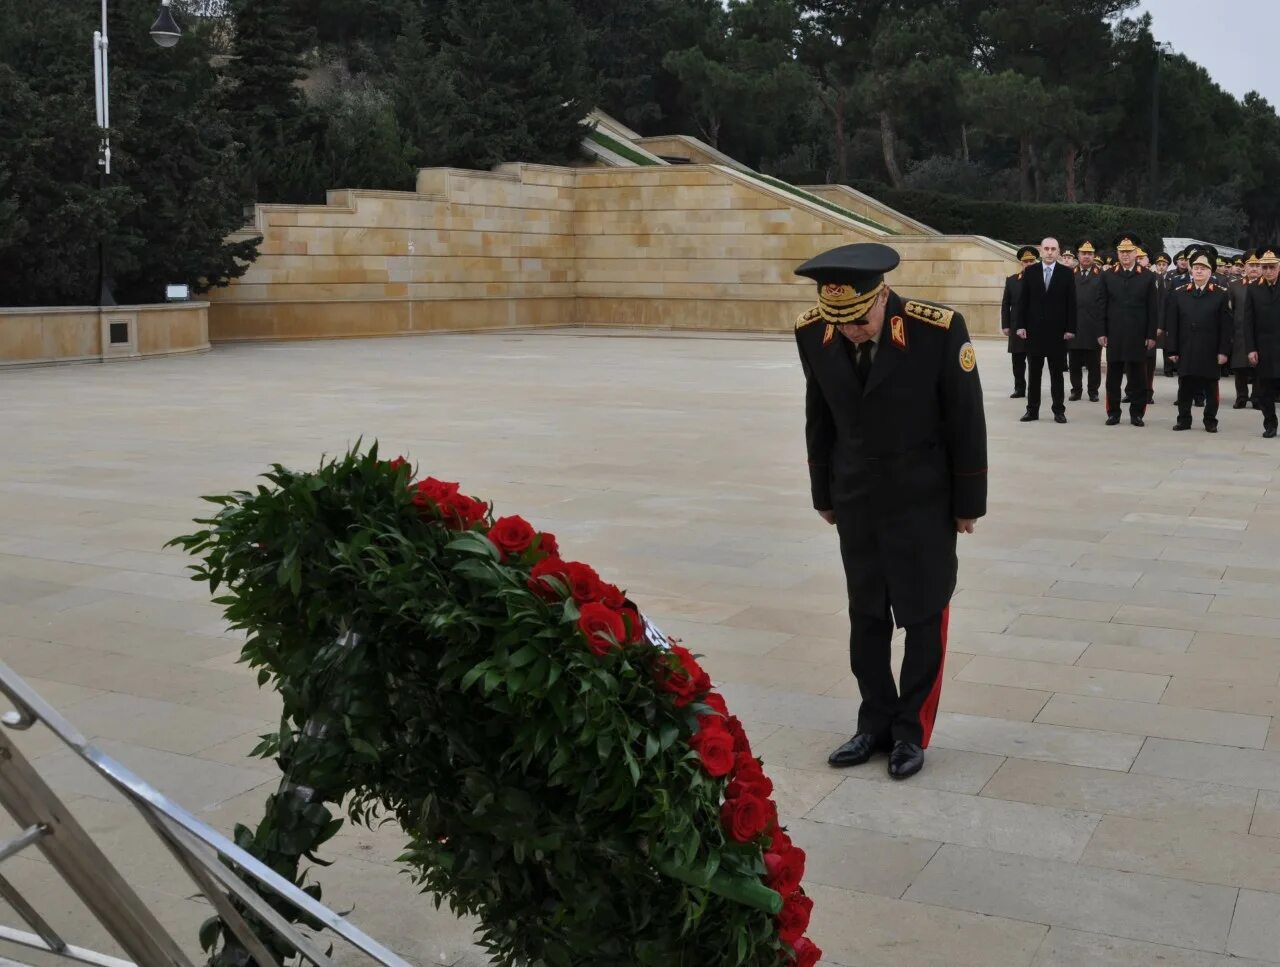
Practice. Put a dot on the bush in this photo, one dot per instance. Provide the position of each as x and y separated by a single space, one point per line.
1018 223
559 771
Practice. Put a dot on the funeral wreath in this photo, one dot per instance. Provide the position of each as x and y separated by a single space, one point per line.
560 771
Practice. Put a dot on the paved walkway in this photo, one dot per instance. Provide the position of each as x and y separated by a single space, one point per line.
1104 786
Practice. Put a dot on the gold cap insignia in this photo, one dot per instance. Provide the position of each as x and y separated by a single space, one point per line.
1126 244
1268 257
1085 246
839 304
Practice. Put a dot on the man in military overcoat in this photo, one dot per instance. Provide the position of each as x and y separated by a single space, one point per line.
1129 330
897 449
1197 337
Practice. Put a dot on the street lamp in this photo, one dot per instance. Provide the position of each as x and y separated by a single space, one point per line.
165 32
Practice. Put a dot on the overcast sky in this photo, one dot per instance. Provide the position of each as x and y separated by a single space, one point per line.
1232 41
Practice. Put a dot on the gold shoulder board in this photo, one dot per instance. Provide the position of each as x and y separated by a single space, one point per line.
934 315
808 316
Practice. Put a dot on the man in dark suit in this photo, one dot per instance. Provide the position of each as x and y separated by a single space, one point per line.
1009 306
1047 314
897 448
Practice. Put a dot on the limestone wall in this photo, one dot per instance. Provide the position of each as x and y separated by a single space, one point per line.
70 334
681 247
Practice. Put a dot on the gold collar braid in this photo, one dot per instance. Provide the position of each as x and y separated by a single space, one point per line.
838 304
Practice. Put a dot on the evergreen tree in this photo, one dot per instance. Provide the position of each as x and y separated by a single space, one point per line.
517 83
268 112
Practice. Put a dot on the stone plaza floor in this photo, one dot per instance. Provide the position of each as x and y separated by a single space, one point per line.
1104 783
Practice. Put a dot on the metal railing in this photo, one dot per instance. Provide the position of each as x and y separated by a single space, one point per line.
220 870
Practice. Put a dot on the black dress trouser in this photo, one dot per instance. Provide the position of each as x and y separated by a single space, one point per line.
1200 388
1035 366
1135 378
1086 359
906 713
1019 372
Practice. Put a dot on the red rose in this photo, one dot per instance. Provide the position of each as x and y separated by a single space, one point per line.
785 870
547 545
793 921
687 682
748 777
715 748
583 581
779 841
462 512
611 595
547 568
715 701
807 953
397 463
635 624
740 741
432 493
745 818
602 626
511 535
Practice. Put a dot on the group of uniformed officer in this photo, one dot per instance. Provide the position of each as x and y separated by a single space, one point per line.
1211 316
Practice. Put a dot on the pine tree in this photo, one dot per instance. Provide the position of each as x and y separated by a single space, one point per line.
518 84
268 112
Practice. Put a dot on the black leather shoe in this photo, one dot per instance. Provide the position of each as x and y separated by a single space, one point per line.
1112 420
1018 394
1074 395
856 751
905 760
1093 397
1029 417
1211 428
1059 418
1239 404
1269 432
1136 421
1182 426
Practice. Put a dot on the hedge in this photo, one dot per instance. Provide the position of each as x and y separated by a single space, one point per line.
1022 224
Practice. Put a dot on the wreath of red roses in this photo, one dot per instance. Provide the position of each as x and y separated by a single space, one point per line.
608 620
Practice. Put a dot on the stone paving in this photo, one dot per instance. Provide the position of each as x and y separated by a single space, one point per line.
1104 785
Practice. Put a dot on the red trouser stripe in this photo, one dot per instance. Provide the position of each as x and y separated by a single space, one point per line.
929 710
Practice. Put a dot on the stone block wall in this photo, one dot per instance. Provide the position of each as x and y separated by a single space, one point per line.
71 334
680 247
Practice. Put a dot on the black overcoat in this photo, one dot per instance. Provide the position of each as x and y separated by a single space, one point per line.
899 458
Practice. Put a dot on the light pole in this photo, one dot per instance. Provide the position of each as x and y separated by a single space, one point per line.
1153 172
165 32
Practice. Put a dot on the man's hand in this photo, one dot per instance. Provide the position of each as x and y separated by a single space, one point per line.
1222 360
964 525
1022 334
1253 359
1004 331
828 515
1151 344
1102 341
1173 359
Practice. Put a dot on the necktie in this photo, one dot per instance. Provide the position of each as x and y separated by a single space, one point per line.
864 360
1048 274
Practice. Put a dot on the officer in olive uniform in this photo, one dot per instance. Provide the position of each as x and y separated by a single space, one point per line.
1262 334
1027 255
1241 370
1084 350
897 447
1197 331
1130 330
